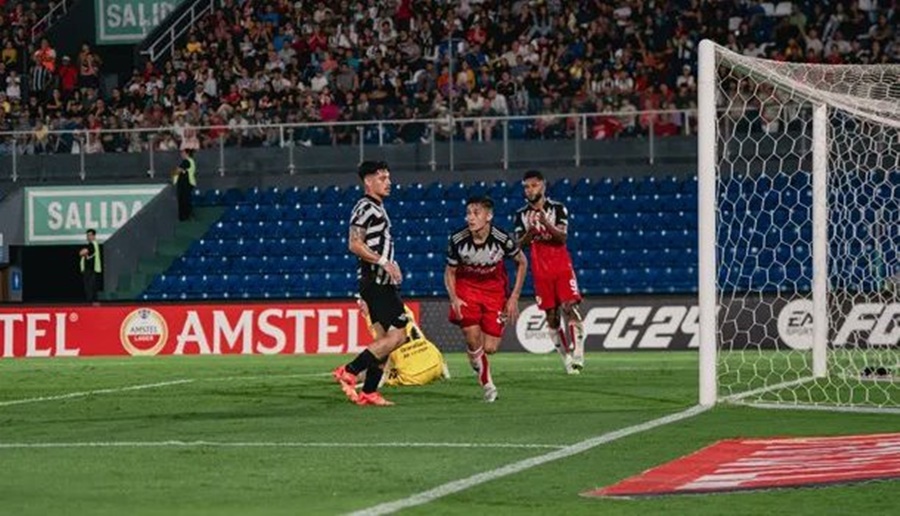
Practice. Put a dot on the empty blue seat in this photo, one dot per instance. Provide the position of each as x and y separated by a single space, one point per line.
627 235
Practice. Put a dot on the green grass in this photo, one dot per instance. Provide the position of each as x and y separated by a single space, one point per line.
287 399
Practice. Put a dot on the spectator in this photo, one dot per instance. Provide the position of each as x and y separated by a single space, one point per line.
68 77
254 61
46 56
88 68
10 55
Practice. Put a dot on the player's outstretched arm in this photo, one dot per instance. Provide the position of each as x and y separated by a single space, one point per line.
512 304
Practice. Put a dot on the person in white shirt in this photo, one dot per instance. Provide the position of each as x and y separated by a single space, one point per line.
14 86
686 78
475 107
814 43
319 82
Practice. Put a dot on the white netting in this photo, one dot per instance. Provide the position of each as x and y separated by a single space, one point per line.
764 231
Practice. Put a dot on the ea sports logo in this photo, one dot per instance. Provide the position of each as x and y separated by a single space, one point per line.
795 324
144 332
533 332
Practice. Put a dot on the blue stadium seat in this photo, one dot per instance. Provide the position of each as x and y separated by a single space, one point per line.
628 235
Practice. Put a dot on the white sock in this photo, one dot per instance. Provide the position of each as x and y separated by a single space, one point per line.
559 342
576 334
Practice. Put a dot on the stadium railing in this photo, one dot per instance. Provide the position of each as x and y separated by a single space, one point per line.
166 41
571 133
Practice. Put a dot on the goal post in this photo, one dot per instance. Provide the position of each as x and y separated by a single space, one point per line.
799 233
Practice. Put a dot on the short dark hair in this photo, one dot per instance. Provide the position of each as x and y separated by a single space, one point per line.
533 174
482 200
91 232
367 168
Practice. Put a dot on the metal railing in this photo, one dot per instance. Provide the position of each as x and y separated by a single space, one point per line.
578 128
57 10
166 41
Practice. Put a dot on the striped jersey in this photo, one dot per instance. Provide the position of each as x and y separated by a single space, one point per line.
369 214
481 265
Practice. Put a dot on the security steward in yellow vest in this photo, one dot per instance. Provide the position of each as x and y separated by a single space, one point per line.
185 180
91 265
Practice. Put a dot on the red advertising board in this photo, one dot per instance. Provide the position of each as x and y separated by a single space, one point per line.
184 329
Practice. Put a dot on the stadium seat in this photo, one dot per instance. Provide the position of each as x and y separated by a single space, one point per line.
628 235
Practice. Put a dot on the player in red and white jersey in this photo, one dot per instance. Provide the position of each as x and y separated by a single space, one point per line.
478 286
543 225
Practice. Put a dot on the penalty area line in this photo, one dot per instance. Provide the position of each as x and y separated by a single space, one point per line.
478 479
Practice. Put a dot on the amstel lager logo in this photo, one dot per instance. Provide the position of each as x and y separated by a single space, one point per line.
144 332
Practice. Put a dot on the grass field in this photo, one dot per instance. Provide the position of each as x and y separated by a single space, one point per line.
324 465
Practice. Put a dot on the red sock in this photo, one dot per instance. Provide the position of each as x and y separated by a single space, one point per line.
479 361
485 377
564 339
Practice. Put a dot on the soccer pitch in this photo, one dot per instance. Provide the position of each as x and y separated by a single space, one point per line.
273 435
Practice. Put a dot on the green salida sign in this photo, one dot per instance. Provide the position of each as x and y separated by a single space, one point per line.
125 22
61 215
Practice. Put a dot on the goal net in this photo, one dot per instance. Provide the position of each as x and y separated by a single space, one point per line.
799 177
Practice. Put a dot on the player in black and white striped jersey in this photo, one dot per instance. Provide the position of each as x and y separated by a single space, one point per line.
379 281
373 222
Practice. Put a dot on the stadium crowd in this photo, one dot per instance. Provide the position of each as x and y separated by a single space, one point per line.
257 62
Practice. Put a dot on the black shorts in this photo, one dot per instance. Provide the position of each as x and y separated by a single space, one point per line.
385 306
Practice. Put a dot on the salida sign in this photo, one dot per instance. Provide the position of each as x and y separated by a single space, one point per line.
268 329
122 22
61 215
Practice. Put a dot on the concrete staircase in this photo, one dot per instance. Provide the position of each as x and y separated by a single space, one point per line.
133 285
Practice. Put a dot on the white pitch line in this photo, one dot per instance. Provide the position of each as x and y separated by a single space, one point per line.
262 377
516 467
144 386
83 394
270 444
821 408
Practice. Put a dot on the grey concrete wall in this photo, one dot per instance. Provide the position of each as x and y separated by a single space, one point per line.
12 217
274 161
139 237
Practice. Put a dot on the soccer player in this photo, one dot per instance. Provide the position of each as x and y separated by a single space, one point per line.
542 224
379 279
478 286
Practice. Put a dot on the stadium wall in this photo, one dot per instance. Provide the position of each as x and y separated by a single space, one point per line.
255 165
139 237
12 217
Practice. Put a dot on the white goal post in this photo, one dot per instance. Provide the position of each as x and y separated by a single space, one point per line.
799 233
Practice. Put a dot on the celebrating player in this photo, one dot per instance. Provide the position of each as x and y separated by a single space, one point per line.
379 278
477 284
543 225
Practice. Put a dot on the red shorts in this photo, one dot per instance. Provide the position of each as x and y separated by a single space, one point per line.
481 309
558 289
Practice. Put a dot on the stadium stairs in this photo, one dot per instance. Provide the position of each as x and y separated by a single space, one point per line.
131 284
